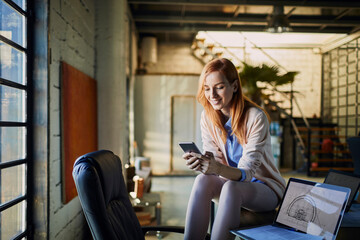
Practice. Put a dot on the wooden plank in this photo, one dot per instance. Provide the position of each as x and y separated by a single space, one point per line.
323 136
318 151
335 143
325 129
325 169
334 160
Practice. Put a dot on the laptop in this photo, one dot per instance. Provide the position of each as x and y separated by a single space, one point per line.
344 179
308 210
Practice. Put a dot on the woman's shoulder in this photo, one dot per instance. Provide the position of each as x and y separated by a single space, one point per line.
255 113
205 118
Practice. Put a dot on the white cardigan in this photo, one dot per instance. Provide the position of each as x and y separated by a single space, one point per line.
257 159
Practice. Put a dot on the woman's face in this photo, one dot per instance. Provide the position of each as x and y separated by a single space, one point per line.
219 92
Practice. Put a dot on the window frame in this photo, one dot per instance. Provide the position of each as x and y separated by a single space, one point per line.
28 123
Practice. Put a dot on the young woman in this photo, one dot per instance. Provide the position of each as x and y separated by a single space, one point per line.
237 168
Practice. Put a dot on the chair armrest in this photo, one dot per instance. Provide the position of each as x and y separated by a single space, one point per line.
176 229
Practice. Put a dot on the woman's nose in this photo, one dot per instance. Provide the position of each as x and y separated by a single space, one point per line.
213 93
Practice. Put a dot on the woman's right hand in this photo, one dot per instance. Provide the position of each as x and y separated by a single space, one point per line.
192 160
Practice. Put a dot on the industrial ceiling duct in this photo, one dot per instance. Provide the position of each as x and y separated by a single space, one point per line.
278 22
148 50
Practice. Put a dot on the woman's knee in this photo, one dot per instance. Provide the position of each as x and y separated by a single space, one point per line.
229 187
235 191
207 184
229 192
204 180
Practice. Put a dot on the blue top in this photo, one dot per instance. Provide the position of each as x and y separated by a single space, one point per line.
234 151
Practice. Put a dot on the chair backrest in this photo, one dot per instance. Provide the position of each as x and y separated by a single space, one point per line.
354 147
104 198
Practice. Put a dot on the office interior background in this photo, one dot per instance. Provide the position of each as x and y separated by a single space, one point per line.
146 57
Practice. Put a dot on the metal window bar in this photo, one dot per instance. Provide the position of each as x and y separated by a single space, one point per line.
29 123
12 163
12 43
21 235
357 86
16 7
337 84
12 124
12 202
8 83
347 90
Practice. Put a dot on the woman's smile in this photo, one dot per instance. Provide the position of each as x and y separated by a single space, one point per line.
215 101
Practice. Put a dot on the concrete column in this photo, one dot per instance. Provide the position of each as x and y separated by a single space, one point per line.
111 36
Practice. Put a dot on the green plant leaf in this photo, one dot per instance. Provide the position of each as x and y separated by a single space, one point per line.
250 75
288 77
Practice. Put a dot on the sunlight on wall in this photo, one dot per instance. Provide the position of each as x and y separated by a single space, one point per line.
153 115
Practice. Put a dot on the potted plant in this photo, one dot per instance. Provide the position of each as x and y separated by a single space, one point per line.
251 75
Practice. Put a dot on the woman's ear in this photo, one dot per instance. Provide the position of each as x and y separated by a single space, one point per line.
235 86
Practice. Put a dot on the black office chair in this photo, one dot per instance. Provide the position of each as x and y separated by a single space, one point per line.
105 200
354 147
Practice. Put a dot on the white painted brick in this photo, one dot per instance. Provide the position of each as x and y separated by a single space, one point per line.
55 172
175 58
55 200
56 4
72 39
55 150
62 218
74 230
57 27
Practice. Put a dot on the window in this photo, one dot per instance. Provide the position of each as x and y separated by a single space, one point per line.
15 119
341 88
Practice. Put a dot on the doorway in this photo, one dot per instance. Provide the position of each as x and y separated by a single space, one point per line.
185 126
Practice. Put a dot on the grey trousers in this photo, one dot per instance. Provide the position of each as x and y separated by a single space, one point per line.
232 196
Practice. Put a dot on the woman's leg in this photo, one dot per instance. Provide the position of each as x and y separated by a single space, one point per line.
206 187
254 196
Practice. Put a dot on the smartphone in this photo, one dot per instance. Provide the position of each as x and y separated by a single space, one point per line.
189 147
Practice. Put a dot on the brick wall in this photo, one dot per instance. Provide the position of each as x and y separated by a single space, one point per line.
72 39
92 36
175 58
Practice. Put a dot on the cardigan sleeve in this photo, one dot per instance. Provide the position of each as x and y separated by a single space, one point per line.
208 139
254 149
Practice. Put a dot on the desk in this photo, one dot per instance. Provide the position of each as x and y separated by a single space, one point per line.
151 200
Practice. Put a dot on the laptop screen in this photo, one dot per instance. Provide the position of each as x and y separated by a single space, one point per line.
313 208
346 180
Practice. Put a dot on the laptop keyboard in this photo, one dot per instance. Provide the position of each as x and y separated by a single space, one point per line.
270 232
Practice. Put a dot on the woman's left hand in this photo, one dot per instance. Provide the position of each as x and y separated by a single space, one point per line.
209 165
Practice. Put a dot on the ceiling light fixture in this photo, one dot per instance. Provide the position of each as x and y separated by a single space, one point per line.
278 22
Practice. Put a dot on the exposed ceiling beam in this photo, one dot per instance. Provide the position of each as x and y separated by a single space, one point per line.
342 14
247 18
193 28
294 3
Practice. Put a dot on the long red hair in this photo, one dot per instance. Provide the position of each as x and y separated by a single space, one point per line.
239 104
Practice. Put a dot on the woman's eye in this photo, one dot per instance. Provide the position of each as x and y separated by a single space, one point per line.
207 89
221 87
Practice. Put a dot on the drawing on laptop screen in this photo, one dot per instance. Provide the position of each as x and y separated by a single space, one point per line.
311 209
303 209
